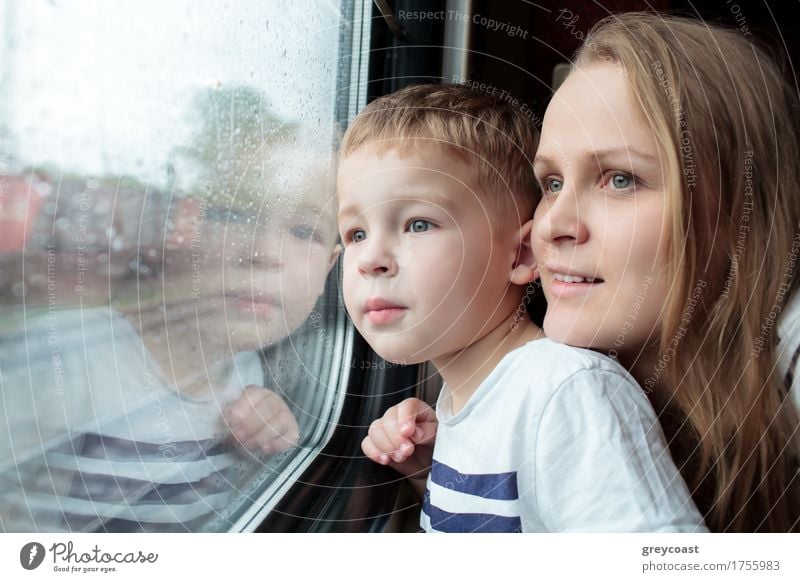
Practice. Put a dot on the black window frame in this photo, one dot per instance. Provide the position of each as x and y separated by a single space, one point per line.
341 490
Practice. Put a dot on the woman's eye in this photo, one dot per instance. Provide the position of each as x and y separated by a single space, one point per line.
617 180
357 236
553 184
419 225
621 181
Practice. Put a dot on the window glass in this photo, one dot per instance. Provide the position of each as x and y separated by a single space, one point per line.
170 340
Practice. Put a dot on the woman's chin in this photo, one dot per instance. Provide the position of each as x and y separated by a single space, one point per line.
572 334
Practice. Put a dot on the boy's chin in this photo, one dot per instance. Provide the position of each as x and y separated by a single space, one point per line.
398 347
397 357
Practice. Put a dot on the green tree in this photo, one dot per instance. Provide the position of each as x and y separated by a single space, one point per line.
232 148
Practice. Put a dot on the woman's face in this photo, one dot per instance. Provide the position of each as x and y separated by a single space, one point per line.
599 231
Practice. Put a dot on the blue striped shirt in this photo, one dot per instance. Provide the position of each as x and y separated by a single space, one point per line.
555 439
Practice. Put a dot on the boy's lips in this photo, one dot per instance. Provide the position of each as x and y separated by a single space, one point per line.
256 304
380 311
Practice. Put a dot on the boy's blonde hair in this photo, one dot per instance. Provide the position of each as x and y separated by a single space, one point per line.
724 114
484 130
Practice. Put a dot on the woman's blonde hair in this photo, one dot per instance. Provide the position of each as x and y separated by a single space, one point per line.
722 111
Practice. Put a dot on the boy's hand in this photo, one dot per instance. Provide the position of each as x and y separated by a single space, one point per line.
260 419
403 438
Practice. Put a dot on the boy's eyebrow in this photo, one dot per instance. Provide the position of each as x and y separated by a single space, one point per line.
346 212
429 196
446 202
312 209
600 155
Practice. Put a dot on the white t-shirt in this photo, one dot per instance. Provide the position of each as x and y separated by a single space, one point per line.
789 346
555 439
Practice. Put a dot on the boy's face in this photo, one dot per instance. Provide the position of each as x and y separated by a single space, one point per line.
256 273
425 268
273 271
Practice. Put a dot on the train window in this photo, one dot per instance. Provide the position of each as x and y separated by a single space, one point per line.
171 344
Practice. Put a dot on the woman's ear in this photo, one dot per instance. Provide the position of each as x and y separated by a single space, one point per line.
523 270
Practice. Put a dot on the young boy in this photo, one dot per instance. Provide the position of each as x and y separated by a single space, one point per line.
436 192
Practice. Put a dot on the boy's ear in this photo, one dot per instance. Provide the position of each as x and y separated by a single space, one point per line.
523 270
334 255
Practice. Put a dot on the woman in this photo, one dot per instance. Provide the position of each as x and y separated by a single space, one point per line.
667 236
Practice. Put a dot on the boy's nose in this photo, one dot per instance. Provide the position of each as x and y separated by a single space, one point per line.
377 260
254 249
266 252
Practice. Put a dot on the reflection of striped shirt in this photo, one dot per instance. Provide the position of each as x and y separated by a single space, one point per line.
133 475
148 459
124 485
555 439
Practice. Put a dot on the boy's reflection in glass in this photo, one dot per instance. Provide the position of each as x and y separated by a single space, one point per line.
168 409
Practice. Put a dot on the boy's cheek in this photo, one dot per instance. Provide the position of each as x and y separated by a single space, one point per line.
349 264
347 292
350 302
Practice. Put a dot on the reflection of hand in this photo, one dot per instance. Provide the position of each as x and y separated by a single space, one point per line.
403 438
260 419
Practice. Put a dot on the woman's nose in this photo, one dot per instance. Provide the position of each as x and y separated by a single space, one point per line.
561 219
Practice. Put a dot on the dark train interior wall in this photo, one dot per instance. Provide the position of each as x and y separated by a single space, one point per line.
518 51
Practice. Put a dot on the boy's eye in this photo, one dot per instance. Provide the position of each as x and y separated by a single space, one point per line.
358 235
419 225
304 232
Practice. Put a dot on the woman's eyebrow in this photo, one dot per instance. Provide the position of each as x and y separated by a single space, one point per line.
621 153
541 160
602 155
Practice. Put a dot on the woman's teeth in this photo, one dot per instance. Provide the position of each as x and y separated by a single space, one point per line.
572 279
